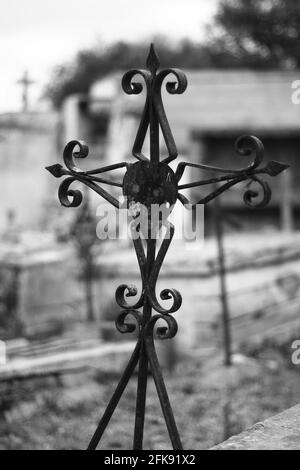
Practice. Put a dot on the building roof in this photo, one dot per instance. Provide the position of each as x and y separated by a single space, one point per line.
225 101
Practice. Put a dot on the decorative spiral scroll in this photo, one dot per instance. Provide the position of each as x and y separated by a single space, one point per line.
64 193
250 196
135 88
162 332
69 154
247 145
166 294
124 327
128 290
174 88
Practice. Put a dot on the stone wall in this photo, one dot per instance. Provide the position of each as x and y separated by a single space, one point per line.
280 432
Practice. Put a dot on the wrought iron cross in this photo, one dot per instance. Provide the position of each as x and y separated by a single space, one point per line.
146 182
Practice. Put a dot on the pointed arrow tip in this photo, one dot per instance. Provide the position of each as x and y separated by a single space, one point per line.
274 168
152 60
55 170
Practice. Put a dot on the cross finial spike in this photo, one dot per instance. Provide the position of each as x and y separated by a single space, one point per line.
152 60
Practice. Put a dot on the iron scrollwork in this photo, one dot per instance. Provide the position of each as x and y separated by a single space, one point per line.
146 182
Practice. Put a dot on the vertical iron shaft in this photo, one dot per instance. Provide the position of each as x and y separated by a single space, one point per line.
143 362
147 310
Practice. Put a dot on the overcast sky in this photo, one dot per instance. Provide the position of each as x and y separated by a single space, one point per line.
38 34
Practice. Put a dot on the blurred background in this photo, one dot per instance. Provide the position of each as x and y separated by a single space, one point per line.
61 80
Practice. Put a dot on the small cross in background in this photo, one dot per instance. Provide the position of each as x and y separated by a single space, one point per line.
25 82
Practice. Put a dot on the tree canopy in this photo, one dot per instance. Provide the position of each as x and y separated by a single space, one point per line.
257 33
91 64
244 33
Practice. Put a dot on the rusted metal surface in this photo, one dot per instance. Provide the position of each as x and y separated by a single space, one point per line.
146 182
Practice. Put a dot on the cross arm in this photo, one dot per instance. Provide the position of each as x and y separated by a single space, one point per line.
89 177
245 146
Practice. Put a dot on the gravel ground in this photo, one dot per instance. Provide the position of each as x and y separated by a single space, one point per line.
210 403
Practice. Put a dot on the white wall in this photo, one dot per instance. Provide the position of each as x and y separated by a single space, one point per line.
27 145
